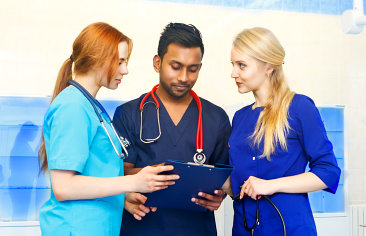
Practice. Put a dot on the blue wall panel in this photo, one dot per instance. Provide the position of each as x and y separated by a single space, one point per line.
333 7
332 117
324 202
22 204
337 139
329 7
22 110
291 5
310 6
23 189
340 162
334 202
238 3
316 201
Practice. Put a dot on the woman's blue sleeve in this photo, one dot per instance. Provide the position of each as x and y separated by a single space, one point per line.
314 140
69 143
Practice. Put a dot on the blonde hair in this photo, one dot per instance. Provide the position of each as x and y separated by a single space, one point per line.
272 124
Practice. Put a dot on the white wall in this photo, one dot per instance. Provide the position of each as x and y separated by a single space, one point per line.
321 61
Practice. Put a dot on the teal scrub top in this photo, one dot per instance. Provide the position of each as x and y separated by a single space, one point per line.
76 141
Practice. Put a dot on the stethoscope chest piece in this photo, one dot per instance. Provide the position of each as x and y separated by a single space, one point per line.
199 157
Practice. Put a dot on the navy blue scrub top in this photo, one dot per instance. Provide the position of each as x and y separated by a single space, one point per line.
307 142
176 143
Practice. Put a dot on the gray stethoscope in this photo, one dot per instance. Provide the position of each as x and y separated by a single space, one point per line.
124 142
199 157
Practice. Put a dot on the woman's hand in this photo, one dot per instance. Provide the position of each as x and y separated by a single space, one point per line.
149 179
255 187
134 204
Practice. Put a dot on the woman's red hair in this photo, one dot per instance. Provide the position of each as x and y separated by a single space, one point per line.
95 47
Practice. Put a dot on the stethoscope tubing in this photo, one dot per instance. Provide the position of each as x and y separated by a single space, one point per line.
150 140
199 157
96 104
199 134
251 229
278 212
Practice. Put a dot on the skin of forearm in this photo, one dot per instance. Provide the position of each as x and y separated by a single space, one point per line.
72 187
302 183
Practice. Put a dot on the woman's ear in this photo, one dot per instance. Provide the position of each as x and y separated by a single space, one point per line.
157 63
269 70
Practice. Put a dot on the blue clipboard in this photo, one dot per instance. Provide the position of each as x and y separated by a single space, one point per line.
194 178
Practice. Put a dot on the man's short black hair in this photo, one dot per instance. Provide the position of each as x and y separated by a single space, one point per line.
184 35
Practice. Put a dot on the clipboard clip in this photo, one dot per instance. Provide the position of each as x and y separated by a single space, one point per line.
198 164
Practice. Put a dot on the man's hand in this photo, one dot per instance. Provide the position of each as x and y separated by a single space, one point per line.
211 202
134 204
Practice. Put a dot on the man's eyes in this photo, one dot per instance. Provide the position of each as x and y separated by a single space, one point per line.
192 69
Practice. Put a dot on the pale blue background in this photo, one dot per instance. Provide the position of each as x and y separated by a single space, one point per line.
333 7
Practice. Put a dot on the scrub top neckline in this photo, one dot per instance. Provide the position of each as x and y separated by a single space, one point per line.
176 131
170 119
256 108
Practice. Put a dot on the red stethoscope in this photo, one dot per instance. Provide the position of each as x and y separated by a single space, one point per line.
199 157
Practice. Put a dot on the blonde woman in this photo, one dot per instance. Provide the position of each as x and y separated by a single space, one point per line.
273 140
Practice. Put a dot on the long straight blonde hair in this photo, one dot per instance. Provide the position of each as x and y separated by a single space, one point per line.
272 124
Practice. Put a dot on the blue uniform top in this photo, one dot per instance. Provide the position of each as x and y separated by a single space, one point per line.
307 142
76 141
176 143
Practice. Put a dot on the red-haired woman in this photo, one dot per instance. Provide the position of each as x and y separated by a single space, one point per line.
80 147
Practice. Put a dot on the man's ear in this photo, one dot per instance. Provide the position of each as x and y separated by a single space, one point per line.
200 66
157 63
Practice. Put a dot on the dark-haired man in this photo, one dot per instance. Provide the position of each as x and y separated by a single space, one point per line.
178 63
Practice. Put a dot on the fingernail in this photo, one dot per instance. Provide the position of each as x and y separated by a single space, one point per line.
216 192
193 199
200 194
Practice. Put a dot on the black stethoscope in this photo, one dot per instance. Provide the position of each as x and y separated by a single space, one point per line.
96 104
251 229
199 157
